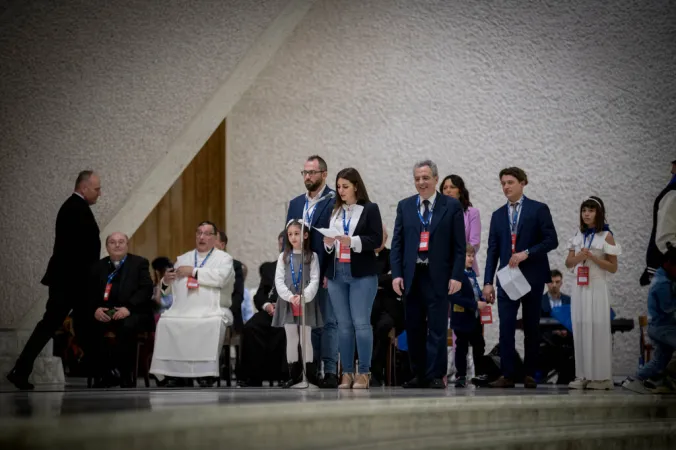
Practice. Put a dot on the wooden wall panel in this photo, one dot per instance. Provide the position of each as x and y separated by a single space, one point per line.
197 195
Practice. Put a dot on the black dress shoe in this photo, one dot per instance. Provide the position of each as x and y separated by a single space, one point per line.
330 381
502 382
436 383
20 381
529 383
173 382
206 382
480 381
376 383
415 383
249 383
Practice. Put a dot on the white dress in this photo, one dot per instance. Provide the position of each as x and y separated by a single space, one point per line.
590 313
190 333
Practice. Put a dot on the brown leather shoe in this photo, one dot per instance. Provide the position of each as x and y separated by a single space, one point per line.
346 381
529 383
502 382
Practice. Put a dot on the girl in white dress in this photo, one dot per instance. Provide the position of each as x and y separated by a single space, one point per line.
592 255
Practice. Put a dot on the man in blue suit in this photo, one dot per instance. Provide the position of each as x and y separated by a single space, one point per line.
521 234
324 340
428 263
554 297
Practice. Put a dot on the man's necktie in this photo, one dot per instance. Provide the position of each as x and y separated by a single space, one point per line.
426 212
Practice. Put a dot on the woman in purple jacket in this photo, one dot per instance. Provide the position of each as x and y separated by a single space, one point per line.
454 186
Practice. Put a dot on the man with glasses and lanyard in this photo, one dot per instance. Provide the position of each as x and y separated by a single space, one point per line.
318 214
120 300
190 334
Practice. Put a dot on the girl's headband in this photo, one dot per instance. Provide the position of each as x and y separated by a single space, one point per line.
307 225
595 201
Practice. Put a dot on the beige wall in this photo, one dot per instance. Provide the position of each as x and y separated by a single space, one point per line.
102 85
580 94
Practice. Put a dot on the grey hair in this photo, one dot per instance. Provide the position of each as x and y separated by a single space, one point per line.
117 232
82 177
429 163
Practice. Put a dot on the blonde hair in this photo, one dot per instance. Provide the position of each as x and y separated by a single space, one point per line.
470 249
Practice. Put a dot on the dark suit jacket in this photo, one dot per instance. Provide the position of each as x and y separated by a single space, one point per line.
463 307
387 301
320 219
547 308
77 245
535 232
370 231
447 246
237 295
135 286
266 292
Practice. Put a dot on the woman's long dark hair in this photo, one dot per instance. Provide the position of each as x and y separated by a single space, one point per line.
597 205
288 247
458 182
352 175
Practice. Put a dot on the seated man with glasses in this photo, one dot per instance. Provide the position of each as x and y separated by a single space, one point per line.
190 333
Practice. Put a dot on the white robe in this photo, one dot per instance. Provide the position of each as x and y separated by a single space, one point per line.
190 334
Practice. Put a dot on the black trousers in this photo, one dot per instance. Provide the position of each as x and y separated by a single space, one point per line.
263 350
426 327
61 301
103 354
464 339
382 324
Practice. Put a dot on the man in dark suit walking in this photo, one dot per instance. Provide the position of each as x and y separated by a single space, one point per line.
521 234
428 262
119 300
77 246
318 214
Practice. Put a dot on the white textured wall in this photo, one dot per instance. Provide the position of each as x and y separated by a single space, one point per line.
103 85
579 94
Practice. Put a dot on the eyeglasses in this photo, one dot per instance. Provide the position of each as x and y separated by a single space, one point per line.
203 233
312 173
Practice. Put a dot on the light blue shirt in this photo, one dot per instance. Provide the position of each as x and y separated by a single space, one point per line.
247 306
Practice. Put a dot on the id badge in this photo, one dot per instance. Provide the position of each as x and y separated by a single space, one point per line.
424 241
513 243
106 294
487 315
296 310
583 276
343 253
193 283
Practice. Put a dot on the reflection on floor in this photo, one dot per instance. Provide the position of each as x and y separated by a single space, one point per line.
75 398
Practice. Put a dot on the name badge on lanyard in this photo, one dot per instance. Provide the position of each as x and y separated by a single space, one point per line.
487 315
513 224
425 235
344 250
109 283
308 216
295 309
192 281
583 271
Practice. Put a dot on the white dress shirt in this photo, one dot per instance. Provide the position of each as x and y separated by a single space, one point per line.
518 205
309 291
352 214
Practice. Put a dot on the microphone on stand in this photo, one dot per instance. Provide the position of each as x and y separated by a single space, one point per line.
331 194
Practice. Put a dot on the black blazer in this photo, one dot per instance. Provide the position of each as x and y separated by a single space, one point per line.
464 307
136 286
77 245
266 292
237 296
370 231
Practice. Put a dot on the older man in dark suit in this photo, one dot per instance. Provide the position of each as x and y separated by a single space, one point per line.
77 247
428 262
120 301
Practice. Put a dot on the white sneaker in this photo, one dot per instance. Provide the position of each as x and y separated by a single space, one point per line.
578 383
635 385
602 385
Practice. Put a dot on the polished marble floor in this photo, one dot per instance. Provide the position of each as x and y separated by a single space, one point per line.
75 398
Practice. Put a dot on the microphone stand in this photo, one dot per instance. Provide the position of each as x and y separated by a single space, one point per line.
305 384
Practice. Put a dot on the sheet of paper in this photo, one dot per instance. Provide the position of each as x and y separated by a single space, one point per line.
329 232
513 282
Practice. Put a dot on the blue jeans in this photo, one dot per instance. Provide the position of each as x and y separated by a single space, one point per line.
325 339
664 341
352 300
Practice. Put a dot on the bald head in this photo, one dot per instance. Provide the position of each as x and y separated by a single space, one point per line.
88 185
117 245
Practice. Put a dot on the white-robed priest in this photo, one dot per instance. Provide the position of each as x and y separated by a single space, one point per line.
190 334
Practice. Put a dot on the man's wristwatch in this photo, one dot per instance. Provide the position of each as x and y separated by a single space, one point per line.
527 252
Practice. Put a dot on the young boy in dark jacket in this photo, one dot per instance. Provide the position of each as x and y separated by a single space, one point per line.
466 306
